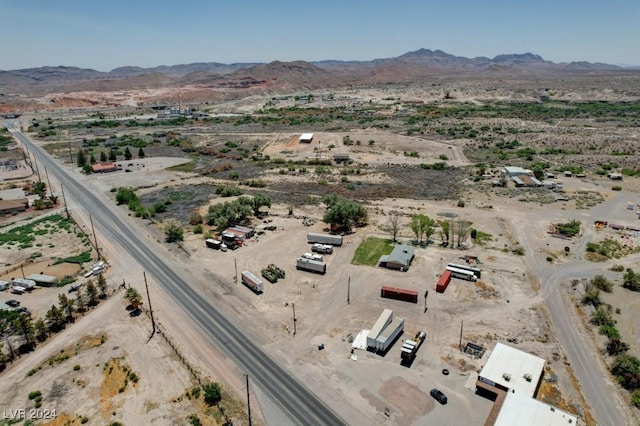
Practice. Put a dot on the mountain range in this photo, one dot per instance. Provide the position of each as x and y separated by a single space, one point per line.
410 66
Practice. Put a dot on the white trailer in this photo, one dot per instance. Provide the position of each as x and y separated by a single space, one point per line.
251 281
322 248
27 284
16 289
334 240
213 244
305 264
4 285
462 274
476 271
389 334
384 320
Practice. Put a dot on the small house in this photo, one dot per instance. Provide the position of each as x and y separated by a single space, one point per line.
400 258
306 138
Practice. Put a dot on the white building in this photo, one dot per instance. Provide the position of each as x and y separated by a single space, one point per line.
306 138
518 409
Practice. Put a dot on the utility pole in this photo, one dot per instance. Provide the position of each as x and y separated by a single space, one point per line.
293 305
37 170
349 291
22 270
235 264
69 146
66 209
248 400
95 238
153 322
46 173
460 344
426 294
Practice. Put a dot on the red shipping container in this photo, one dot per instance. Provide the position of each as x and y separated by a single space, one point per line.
443 282
399 294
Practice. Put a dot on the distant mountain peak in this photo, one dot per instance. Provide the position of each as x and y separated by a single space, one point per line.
519 58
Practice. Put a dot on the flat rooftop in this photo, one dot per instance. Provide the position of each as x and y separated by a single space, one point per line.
515 365
519 409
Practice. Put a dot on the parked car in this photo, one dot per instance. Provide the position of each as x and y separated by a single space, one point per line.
74 288
23 310
439 396
13 303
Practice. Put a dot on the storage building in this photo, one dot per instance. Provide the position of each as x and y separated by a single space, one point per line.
518 409
43 280
306 138
400 258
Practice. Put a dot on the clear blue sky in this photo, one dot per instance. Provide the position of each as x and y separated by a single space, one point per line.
108 34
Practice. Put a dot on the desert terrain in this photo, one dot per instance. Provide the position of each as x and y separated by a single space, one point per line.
409 150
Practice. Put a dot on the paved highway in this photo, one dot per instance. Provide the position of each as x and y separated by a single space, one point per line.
295 399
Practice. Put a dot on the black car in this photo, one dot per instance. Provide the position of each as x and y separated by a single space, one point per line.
13 303
23 310
439 396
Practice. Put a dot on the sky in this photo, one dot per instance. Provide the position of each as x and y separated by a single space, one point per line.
107 34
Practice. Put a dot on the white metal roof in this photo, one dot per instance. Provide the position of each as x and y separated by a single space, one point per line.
515 169
521 410
306 136
514 364
385 318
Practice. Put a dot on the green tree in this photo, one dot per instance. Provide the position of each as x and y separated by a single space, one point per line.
80 302
55 318
112 155
591 295
92 293
41 330
212 393
126 195
343 213
81 158
258 201
6 328
23 324
173 231
103 156
616 347
141 153
92 159
626 368
444 232
66 305
422 225
127 154
631 280
134 298
102 285
87 168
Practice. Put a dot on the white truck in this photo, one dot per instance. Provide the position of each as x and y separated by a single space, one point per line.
322 248
251 281
305 264
334 240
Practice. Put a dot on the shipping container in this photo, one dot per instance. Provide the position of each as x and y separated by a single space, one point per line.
251 281
443 282
389 334
476 271
462 274
334 240
383 320
399 294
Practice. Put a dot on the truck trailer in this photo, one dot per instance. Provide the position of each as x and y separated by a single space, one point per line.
213 244
334 240
399 294
251 281
462 274
410 347
476 271
304 264
383 320
389 334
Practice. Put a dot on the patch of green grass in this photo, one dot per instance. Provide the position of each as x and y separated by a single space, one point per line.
184 167
370 250
83 257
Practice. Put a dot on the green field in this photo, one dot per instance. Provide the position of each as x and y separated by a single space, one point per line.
370 250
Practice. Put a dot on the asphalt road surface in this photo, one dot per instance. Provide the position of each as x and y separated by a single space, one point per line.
302 406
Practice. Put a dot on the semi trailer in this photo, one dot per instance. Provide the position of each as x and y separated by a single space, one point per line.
251 281
334 240
304 264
